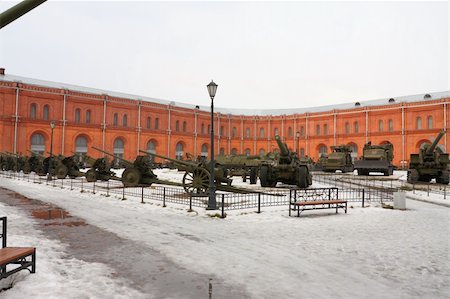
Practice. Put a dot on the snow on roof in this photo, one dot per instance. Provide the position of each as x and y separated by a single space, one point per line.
234 111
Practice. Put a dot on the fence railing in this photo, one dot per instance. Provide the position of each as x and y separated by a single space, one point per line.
225 201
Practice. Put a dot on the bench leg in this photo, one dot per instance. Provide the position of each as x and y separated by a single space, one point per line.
33 262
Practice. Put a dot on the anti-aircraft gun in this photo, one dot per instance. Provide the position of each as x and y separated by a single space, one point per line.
288 169
430 163
376 158
339 159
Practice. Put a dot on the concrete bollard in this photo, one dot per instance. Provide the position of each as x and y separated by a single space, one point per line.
400 200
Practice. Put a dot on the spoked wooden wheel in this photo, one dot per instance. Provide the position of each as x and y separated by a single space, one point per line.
131 177
196 182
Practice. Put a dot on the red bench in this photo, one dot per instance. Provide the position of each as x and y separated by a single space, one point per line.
24 257
301 206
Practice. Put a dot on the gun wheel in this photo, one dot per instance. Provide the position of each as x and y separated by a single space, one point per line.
196 182
131 177
61 171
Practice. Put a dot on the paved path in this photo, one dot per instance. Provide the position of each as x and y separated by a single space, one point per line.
146 269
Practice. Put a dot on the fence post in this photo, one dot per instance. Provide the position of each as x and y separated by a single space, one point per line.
329 194
62 184
142 195
93 190
428 190
223 205
164 197
363 195
445 191
71 181
190 203
81 185
414 190
107 188
259 203
123 193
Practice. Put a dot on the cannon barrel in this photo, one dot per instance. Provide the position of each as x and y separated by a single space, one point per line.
179 162
284 151
112 155
36 154
431 148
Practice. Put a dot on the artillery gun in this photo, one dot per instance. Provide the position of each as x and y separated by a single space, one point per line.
36 163
430 163
8 162
139 172
241 165
68 166
196 177
20 163
288 169
339 159
376 158
100 170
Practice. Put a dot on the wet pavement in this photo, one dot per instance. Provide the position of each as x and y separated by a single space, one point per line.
144 268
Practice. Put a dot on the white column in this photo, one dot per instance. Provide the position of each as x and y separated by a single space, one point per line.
403 135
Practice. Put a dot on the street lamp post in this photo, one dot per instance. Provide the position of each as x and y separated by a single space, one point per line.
297 135
212 87
50 161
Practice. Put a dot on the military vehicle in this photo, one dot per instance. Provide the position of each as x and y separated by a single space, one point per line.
241 165
339 159
36 163
376 158
318 166
430 163
287 168
68 166
100 170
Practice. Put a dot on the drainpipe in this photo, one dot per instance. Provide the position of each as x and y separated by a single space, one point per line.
445 124
63 137
104 122
16 120
168 131
254 134
139 127
242 135
306 134
403 136
229 134
334 128
195 131
367 125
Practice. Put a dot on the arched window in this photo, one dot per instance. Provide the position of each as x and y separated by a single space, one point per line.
380 125
275 132
247 132
222 152
262 152
204 152
81 145
222 131
290 132
46 112
118 149
234 132
234 151
356 127
419 123
33 111
261 132
38 143
125 120
391 125
179 151
184 127
247 152
177 126
77 115
325 129
323 150
88 116
149 122
302 131
115 119
318 130
430 122
202 129
151 147
156 123
347 128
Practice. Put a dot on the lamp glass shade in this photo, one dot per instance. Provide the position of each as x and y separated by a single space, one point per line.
52 124
212 87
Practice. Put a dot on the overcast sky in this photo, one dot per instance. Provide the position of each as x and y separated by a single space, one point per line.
261 54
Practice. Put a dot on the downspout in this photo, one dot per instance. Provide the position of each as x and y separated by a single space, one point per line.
242 135
16 120
254 134
168 132
139 127
367 125
403 137
195 131
63 137
104 122
334 128
445 124
229 134
306 134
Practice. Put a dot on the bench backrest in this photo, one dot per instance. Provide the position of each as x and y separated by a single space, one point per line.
3 234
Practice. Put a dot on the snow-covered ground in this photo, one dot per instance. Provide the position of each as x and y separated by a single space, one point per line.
370 252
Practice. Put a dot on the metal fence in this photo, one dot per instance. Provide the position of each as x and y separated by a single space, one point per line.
225 201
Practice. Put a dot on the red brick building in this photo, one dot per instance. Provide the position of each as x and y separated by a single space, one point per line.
123 123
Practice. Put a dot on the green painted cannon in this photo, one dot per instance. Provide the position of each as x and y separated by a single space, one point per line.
241 165
430 163
339 159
